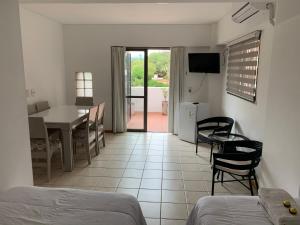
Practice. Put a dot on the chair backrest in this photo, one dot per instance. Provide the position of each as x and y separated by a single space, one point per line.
101 108
84 101
233 158
31 109
42 106
219 124
37 128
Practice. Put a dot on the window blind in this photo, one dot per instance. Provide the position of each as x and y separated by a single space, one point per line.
242 66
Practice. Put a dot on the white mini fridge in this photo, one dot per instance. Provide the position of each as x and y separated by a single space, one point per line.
189 114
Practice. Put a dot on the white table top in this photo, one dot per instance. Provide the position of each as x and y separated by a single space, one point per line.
63 113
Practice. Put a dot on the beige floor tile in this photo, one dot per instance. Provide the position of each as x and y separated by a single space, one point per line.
133 173
155 152
129 183
153 166
201 186
139 152
172 175
151 184
172 222
152 221
190 167
108 182
156 147
171 159
100 172
196 175
173 196
171 166
190 208
154 158
138 158
109 164
129 191
152 174
173 211
146 195
176 185
193 196
86 181
150 209
135 165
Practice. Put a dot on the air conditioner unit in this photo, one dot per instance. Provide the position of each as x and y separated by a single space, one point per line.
250 9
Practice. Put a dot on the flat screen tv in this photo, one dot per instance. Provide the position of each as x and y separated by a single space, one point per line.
204 62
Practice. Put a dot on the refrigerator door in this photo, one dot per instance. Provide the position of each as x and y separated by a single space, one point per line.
187 121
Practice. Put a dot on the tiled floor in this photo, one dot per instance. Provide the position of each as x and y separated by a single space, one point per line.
163 172
157 122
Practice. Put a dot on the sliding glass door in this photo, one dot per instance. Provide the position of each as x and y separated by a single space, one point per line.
136 67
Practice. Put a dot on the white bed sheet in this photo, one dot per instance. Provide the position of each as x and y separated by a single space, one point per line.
51 206
228 210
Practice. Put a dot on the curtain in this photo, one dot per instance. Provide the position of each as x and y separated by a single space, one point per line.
118 89
176 86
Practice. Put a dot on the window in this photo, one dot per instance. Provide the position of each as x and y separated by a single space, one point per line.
242 66
84 84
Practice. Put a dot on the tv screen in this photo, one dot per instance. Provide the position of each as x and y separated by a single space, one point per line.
204 62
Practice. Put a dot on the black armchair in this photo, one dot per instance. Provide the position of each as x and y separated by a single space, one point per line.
240 158
210 126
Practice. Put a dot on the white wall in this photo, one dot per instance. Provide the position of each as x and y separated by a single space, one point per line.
87 48
15 156
43 54
281 155
250 118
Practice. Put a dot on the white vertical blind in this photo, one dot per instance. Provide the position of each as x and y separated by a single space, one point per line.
242 66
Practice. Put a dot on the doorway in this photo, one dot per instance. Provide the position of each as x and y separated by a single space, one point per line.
147 89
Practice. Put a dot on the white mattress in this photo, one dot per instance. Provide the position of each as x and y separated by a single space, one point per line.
228 210
41 206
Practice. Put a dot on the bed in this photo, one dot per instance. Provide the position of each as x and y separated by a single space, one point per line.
51 206
228 210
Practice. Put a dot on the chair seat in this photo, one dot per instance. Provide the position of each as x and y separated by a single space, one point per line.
234 171
205 133
80 135
39 145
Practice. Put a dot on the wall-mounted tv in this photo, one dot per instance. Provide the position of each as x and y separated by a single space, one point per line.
204 62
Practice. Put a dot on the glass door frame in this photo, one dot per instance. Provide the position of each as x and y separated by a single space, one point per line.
145 97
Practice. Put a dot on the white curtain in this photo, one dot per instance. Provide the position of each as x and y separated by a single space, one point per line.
118 88
176 86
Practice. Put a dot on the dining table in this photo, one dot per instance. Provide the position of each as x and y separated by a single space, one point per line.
65 118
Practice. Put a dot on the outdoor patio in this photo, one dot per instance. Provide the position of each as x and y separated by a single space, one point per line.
157 121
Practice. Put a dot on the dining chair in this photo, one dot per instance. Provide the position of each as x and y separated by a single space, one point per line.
31 109
42 147
210 126
87 136
100 126
84 101
42 106
239 160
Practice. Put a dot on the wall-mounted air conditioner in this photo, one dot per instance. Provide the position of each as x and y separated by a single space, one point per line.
249 9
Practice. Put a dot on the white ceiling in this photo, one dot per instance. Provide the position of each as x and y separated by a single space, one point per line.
129 13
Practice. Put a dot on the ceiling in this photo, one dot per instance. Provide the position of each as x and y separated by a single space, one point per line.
131 13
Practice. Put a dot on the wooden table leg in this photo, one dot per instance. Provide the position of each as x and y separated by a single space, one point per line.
67 150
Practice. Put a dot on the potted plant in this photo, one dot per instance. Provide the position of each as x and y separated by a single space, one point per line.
165 92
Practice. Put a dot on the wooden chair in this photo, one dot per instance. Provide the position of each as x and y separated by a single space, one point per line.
87 136
31 109
42 147
42 106
84 101
100 126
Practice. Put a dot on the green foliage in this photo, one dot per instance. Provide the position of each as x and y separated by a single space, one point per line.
158 64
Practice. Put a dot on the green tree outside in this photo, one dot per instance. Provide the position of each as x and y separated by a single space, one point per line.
158 66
